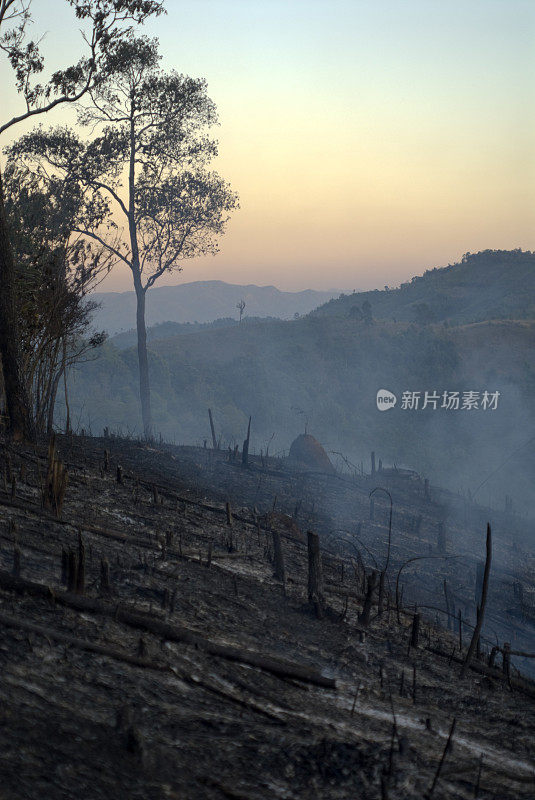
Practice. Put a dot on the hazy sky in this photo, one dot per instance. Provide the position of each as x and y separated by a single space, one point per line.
368 139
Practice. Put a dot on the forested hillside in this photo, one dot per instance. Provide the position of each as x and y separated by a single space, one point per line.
168 330
492 284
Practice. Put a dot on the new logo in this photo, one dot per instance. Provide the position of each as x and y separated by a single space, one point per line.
385 400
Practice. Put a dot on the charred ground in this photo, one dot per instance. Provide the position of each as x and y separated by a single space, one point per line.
176 665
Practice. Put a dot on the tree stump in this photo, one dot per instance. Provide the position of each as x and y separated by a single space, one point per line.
365 615
278 557
315 576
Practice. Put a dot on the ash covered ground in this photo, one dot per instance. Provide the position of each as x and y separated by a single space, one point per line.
174 664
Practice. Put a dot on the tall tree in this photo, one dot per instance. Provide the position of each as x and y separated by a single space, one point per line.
148 166
104 21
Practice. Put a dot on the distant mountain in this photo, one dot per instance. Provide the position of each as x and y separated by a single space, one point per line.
203 301
492 284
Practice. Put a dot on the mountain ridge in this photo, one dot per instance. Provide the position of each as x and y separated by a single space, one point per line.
203 301
490 284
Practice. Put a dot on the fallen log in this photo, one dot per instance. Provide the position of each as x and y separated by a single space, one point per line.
229 693
166 631
191 555
120 655
46 632
108 533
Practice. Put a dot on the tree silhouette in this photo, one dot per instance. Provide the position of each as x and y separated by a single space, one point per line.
147 167
105 18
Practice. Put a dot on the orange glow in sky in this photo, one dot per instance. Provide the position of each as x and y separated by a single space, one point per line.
368 139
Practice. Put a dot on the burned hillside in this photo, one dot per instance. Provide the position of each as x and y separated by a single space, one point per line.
167 630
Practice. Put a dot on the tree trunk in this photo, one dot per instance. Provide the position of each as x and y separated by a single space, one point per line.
18 407
315 575
365 615
245 451
214 439
481 607
144 386
52 403
67 407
